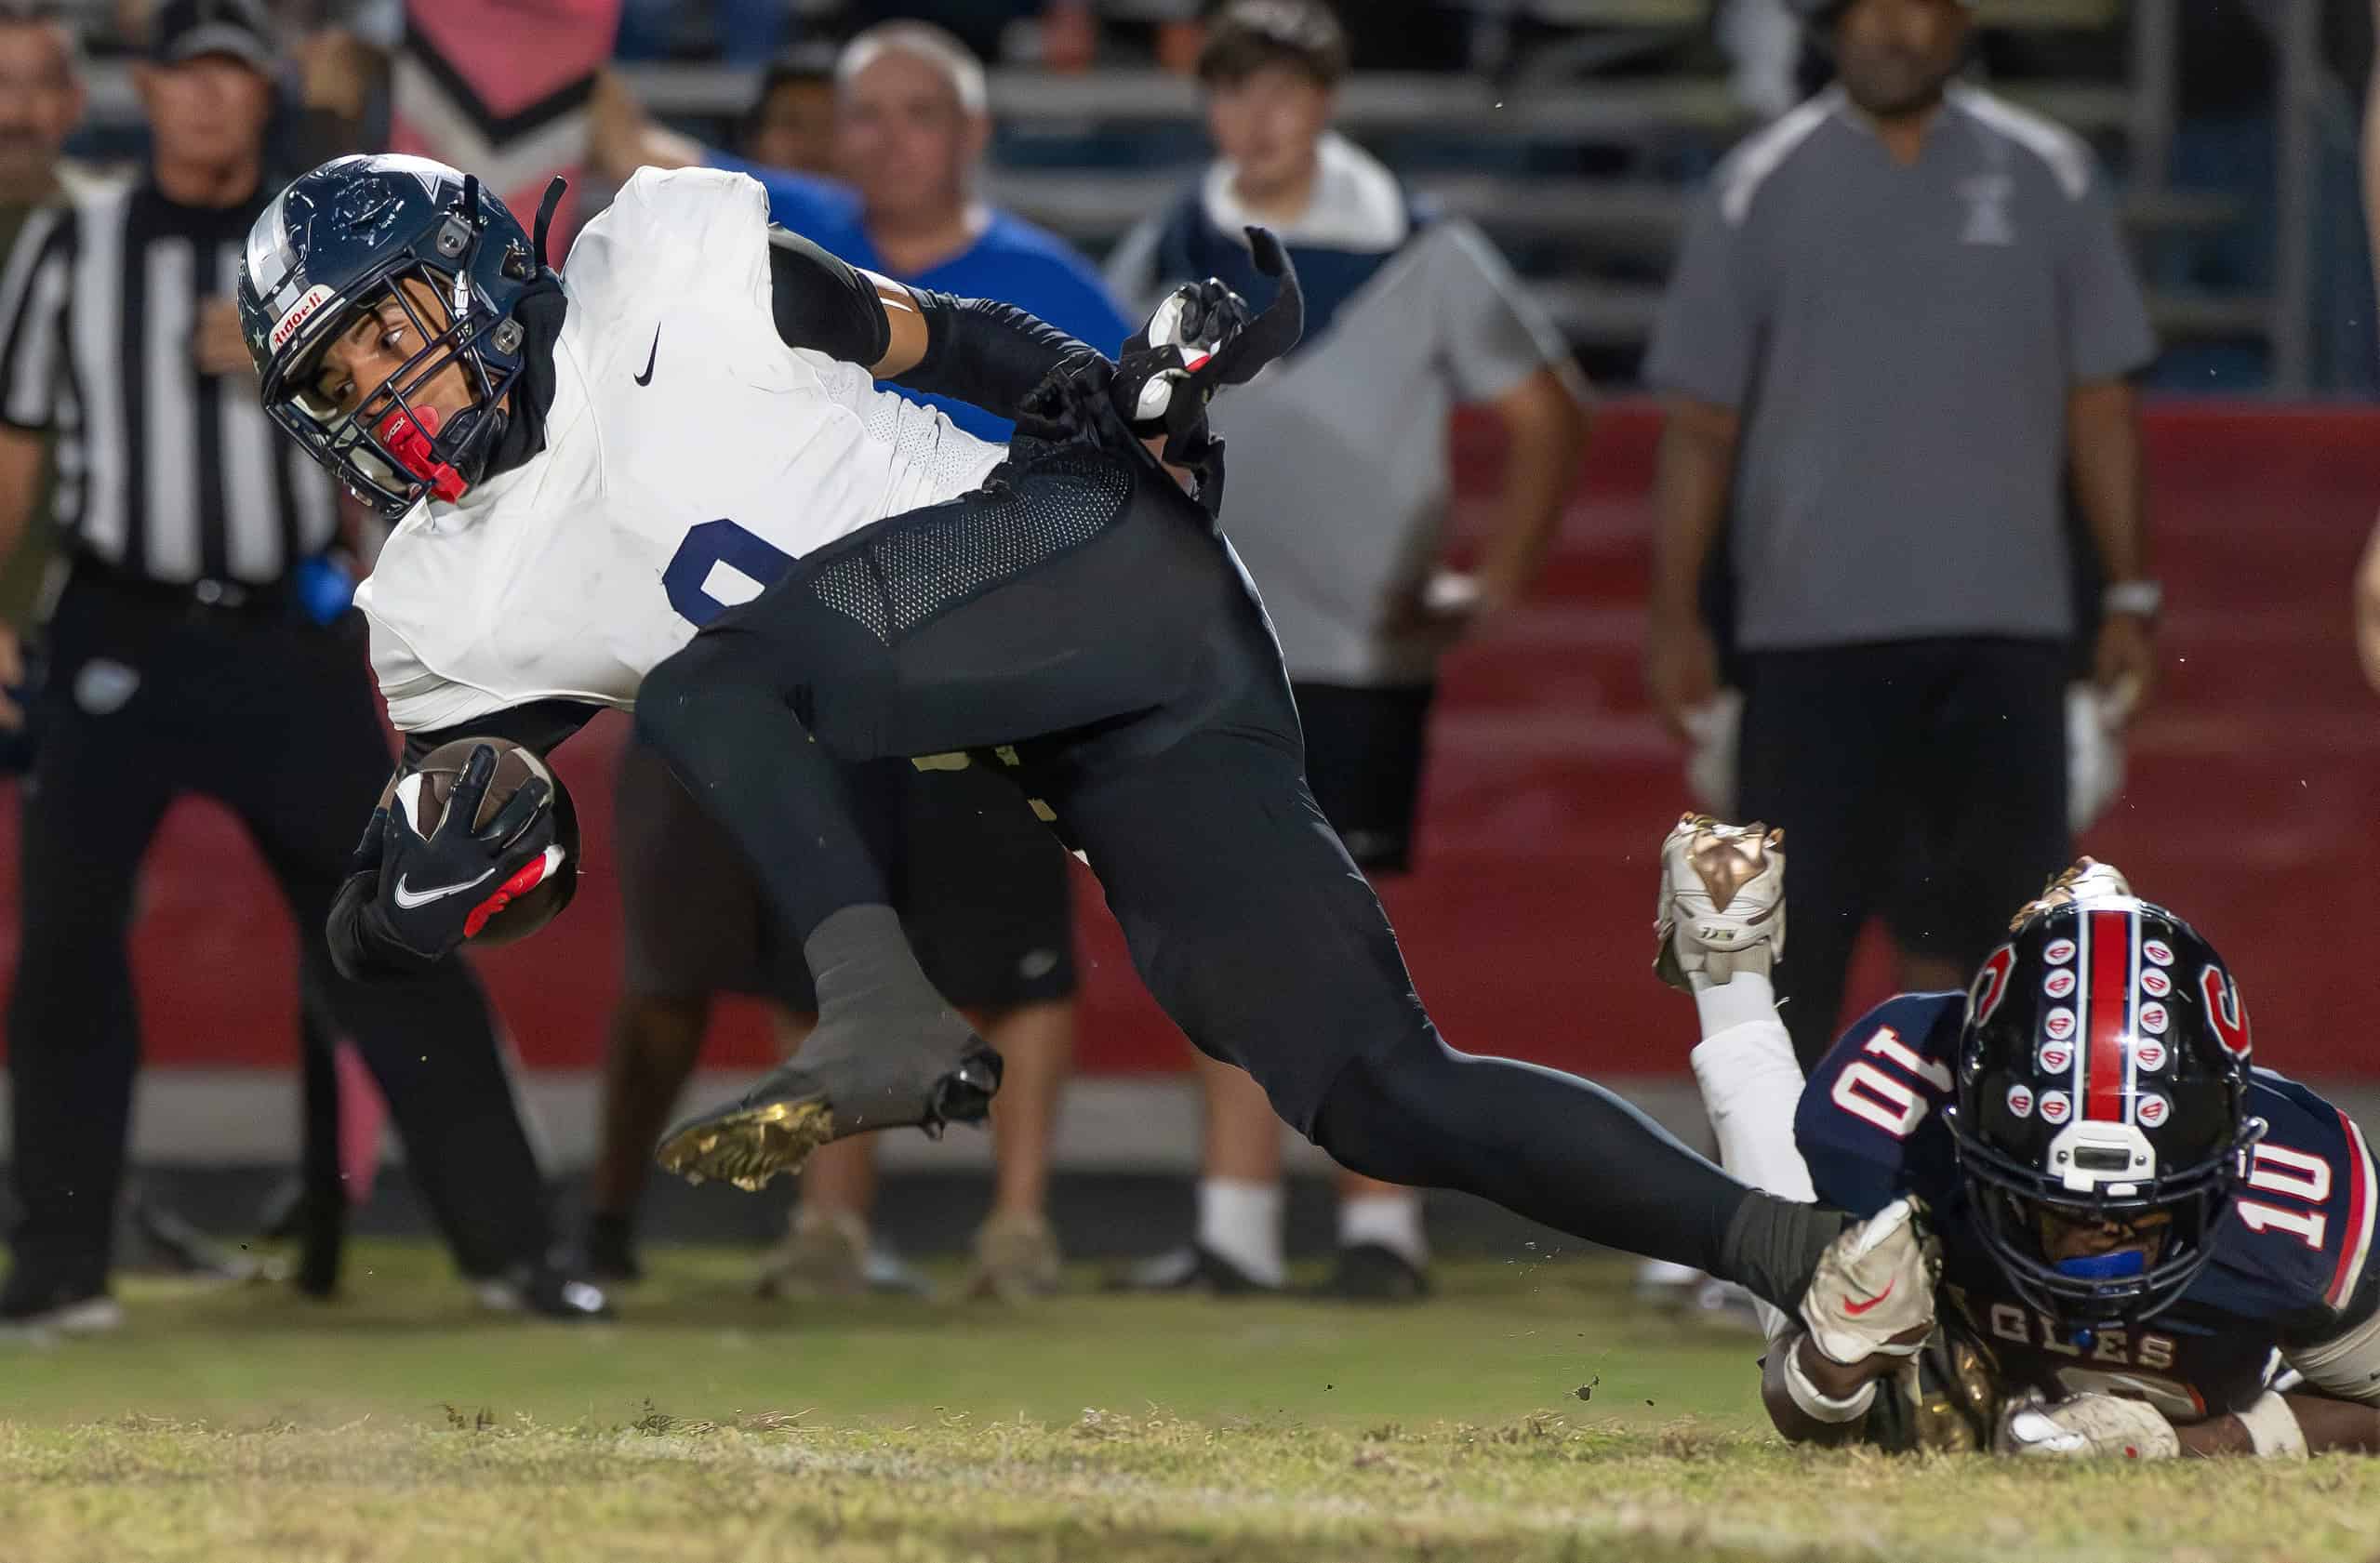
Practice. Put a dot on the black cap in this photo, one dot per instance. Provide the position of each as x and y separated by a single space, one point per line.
809 64
804 63
186 29
1246 35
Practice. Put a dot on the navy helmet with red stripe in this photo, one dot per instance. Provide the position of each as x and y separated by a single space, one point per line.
2103 1070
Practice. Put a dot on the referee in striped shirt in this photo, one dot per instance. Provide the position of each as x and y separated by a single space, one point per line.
191 649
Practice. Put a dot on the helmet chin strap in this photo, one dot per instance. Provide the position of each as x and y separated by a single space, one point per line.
545 216
409 438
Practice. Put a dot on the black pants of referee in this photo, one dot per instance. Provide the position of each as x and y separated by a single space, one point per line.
1084 628
150 696
1924 781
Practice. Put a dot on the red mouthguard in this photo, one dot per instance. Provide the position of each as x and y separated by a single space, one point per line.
408 438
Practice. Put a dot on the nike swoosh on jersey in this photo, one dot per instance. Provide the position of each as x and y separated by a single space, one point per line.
406 899
646 378
1856 1309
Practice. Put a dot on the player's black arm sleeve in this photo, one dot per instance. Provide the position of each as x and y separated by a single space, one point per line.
987 353
357 946
977 350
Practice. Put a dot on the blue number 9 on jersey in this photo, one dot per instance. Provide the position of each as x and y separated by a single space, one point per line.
719 566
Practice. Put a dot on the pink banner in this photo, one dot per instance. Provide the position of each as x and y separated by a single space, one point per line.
500 88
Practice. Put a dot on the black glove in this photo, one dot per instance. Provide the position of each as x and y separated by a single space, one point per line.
1202 336
1152 385
430 890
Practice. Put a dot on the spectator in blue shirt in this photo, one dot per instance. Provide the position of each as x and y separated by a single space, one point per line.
911 125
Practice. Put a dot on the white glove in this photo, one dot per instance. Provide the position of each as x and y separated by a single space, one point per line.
2086 1427
1874 1289
2094 754
1713 728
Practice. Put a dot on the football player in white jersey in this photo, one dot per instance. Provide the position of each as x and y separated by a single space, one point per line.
665 479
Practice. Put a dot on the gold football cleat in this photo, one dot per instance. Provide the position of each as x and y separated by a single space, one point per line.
2088 879
1722 899
1727 857
749 1145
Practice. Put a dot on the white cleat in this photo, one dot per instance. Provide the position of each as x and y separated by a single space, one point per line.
1723 902
78 1319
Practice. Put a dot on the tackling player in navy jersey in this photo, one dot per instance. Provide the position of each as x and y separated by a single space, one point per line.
2144 1246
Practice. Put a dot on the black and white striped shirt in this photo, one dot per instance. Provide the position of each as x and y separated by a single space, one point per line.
163 472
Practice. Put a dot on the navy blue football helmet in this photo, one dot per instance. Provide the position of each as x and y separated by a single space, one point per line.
340 241
2103 1075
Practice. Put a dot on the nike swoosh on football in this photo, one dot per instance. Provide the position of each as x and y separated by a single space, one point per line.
646 378
408 899
1856 1309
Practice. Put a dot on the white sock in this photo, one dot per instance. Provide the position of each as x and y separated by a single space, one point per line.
1240 1221
1745 999
1666 1273
1751 1084
1393 1221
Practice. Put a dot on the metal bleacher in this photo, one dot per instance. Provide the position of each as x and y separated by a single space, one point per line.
1594 242
1579 157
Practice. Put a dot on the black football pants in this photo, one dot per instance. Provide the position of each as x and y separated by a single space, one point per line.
1089 633
1921 780
274 719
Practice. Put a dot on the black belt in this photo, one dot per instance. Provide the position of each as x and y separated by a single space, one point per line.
205 596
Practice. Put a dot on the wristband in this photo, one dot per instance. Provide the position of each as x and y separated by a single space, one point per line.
2140 599
2273 1430
1823 1408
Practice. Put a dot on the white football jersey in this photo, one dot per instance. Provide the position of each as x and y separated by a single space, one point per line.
690 457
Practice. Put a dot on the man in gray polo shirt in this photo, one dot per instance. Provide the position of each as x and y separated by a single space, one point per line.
1899 334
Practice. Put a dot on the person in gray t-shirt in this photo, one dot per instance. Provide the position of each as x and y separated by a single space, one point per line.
1341 489
1898 336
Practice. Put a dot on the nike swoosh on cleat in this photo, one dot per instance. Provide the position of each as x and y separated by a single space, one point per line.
407 898
1856 1309
646 378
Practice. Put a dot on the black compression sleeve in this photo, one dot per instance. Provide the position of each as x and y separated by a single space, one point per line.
986 352
824 304
977 350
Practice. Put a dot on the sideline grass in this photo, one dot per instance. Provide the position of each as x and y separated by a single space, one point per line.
401 1426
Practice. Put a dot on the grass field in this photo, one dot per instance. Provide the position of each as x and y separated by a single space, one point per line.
400 1425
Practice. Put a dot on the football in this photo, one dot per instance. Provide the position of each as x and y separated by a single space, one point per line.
425 802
